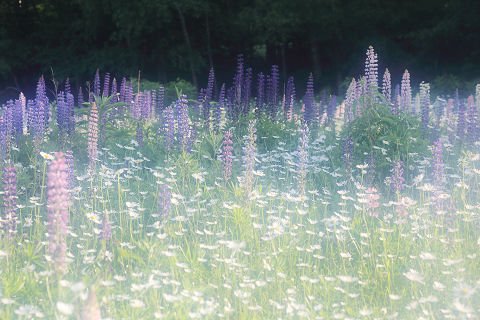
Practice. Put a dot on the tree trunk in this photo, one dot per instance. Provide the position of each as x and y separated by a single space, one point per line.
187 42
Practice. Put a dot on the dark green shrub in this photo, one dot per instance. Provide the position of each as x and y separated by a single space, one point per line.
385 137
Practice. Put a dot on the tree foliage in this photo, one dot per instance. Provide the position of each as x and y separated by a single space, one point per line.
167 39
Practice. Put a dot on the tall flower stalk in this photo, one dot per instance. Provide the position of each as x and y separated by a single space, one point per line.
371 72
93 137
58 203
406 93
309 101
302 160
387 86
227 154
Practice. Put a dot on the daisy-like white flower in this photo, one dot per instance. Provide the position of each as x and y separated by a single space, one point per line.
414 276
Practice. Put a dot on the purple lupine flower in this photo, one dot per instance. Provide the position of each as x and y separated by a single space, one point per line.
96 83
164 201
406 93
227 154
249 154
30 116
247 90
23 102
10 200
371 71
397 179
80 98
472 121
41 98
114 90
289 99
309 101
461 122
425 103
350 101
62 114
58 203
18 115
92 137
438 165
260 91
136 106
218 109
302 152
106 85
146 105
129 94
169 127
387 86
210 86
183 122
274 91
4 139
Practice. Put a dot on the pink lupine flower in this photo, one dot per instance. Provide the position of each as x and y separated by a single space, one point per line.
93 137
58 205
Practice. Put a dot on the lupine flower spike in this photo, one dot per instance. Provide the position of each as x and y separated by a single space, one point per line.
93 137
58 203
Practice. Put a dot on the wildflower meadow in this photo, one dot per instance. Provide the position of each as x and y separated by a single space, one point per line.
126 199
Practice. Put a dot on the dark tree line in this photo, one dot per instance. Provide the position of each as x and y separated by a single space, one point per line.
167 39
